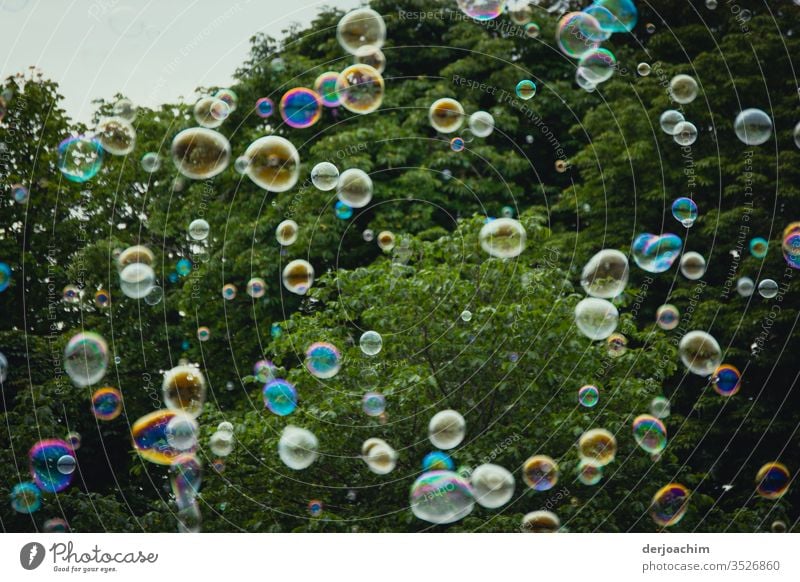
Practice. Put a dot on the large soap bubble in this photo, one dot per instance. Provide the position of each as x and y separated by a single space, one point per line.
492 485
482 9
597 447
116 135
184 388
624 12
360 89
137 280
274 163
360 27
441 497
578 33
446 115
200 153
753 127
596 318
503 237
298 276
297 447
605 275
700 353
655 254
86 358
447 429
354 188
80 158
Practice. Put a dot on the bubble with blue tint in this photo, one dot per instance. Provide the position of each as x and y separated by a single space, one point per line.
650 433
102 298
772 480
256 287
71 294
315 508
300 107
172 277
19 193
482 9
656 254
203 333
55 525
577 33
588 396
342 210
280 397
5 276
457 144
790 245
441 497
684 210
44 459
604 17
107 403
373 403
73 440
184 267
525 89
26 497
759 247
667 317
275 330
588 473
437 461
150 437
726 380
325 86
540 473
264 371
625 14
185 476
86 358
229 291
598 65
265 107
80 158
323 360
532 30
669 504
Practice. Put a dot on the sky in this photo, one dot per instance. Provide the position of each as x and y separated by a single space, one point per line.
152 51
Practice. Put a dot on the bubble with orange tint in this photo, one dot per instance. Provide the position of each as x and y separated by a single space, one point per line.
446 115
300 107
184 388
541 522
360 88
540 472
325 85
52 464
361 27
727 380
669 504
106 403
372 56
150 440
298 276
772 480
274 163
116 135
200 153
597 447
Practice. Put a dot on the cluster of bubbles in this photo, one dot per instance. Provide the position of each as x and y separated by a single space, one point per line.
136 275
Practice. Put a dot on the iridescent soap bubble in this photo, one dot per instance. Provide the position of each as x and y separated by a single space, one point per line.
280 397
150 162
26 497
589 474
106 403
71 294
298 276
583 83
342 210
80 158
183 267
221 443
482 9
492 485
300 107
447 429
315 507
125 109
577 33
446 115
655 254
274 163
203 333
199 153
5 276
86 358
323 360
727 380
753 127
768 288
650 433
759 247
519 12
667 317
669 120
503 237
481 124
297 447
437 461
360 89
532 30
525 89
685 133
540 521
683 89
700 353
265 107
116 135
772 480
605 275
790 245
150 437
73 440
19 193
184 388
588 396
457 144
596 318
189 519
229 97
745 286
182 432
136 280
684 210
371 343
325 86
199 229
597 447
50 473
624 13
669 504
135 254
660 407
441 497
598 65
373 403
185 476
372 56
286 233
155 296
693 265
264 371
229 291
540 473
617 345
643 69
203 112
379 456
256 287
386 240
360 27
325 176
55 525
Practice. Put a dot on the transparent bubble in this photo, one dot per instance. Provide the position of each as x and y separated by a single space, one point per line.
229 97
683 89
656 254
274 163
503 237
583 83
466 315
264 371
298 276
540 521
797 135
73 440
137 280
643 69
660 407
726 380
598 65
286 233
150 162
189 519
372 56
596 318
532 30
300 107
225 426
457 144
280 397
605 275
55 525
667 317
86 358
693 265
371 343
360 27
241 164
26 497
773 480
135 254
624 15
778 526
203 333
768 288
525 89
325 176
753 127
116 135
441 497
745 286
519 12
669 504
200 153
182 432
481 124
51 472
492 485
19 193
588 396
106 403
185 476
759 247
577 33
315 507
256 287
685 133
447 429
650 433
207 112
71 294
80 158
669 121
368 235
446 115
184 389
373 404
221 443
297 447
155 295
700 353
711 4
125 109
360 89
540 473
379 456
323 360
597 447
684 210
589 474
325 85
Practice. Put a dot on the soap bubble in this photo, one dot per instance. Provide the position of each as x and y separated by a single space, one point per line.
588 396
772 480
481 9
80 158
185 476
189 519
73 440
481 124
598 65
745 286
150 162
315 508
106 403
684 210
256 287
437 461
342 210
683 89
466 315
325 85
525 89
759 247
447 429
182 431
136 280
354 188
300 107
386 240
55 525
26 497
519 12
660 407
86 358
135 254
617 345
286 233
5 276
685 133
325 176
203 333
650 433
540 472
778 526
753 127
669 504
372 56
597 447
667 317
503 237
373 404
19 193
360 89
199 229
768 288
541 521
221 443
52 464
150 437
264 371
669 121
200 153
203 112
379 456
274 163
457 144
125 109
265 107
71 294
643 69
280 397
360 27
229 292
229 97
371 343
446 115
298 276
624 15
693 265
441 497
532 30
655 254
577 33
727 380
323 360
492 485
596 318
605 275
700 353
297 447
116 135
184 388
589 474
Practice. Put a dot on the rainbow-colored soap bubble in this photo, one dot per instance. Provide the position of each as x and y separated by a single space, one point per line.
441 497
625 14
457 144
5 276
597 447
26 497
597 65
589 474
650 433
791 245
48 473
325 86
264 371
525 89
80 158
300 107
540 472
727 380
315 508
280 397
482 9
772 480
655 254
102 298
667 317
265 107
684 210
373 403
438 461
588 395
669 504
617 345
323 360
185 475
55 525
759 247
86 358
150 438
342 210
106 403
229 291
578 33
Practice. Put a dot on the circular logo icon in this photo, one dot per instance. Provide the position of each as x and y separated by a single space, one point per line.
31 555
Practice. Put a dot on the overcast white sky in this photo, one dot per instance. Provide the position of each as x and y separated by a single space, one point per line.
152 51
